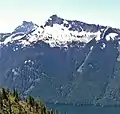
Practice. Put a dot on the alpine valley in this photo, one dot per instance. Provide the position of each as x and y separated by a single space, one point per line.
63 61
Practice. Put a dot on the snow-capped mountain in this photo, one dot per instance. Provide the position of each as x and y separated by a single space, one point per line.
66 61
57 32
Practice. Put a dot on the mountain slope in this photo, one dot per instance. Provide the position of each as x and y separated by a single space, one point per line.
74 61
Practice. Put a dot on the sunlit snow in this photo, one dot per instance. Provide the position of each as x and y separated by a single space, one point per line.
55 36
111 36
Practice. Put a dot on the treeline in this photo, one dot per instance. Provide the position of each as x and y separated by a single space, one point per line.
11 103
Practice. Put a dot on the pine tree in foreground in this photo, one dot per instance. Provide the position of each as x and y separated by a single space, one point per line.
11 103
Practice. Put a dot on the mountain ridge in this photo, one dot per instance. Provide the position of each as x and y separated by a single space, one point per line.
71 61
59 30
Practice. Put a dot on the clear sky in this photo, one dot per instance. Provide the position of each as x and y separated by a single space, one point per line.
13 12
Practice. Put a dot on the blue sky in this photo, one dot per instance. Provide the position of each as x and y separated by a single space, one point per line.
13 12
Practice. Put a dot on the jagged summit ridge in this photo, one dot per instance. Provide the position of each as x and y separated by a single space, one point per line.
25 27
56 32
73 25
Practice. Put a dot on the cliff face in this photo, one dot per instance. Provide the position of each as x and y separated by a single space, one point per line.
62 61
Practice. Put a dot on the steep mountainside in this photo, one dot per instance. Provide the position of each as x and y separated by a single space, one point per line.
63 60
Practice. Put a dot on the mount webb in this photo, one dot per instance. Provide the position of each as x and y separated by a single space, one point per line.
62 61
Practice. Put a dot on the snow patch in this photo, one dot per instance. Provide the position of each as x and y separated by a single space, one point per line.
90 65
62 35
15 49
29 61
98 36
11 39
65 22
111 36
25 62
15 73
91 47
24 43
103 46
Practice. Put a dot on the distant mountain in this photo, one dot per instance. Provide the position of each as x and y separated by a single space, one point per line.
63 61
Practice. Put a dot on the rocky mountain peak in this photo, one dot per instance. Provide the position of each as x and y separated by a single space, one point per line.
25 27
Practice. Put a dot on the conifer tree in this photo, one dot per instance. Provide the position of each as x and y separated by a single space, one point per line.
4 94
1 102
